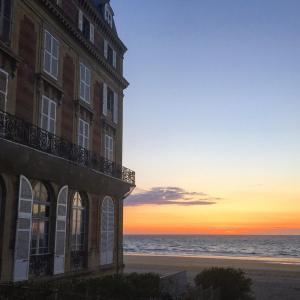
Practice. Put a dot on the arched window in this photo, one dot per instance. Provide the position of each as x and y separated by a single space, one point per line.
39 250
107 231
78 232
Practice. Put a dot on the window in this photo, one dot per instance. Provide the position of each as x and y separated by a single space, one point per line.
51 55
107 231
86 27
39 250
85 83
109 148
110 103
5 11
108 15
78 231
110 54
3 89
48 115
83 134
110 100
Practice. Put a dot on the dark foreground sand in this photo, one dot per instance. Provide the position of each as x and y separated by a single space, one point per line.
272 280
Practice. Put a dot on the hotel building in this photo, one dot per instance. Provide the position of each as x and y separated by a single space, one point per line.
62 183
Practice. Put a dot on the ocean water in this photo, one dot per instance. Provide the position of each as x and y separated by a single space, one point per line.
282 247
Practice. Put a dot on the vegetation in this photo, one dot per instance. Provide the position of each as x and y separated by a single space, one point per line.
233 284
124 287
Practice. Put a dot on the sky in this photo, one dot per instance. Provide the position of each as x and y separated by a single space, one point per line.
212 115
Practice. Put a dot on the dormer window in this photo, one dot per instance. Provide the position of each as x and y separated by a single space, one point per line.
108 15
110 54
86 27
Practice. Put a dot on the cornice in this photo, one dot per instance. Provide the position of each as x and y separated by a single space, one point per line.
97 18
59 14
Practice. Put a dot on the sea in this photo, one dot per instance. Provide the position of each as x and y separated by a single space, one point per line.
284 249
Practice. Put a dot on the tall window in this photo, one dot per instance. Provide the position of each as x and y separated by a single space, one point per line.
109 148
83 134
85 83
48 115
39 250
78 231
51 55
110 103
5 11
107 231
3 89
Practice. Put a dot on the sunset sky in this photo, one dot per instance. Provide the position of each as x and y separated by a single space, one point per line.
212 115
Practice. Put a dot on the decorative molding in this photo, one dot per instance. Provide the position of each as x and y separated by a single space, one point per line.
92 50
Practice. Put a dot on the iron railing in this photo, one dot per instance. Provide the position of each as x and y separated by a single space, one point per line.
22 132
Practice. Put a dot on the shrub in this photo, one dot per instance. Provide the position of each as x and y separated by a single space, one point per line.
233 284
123 287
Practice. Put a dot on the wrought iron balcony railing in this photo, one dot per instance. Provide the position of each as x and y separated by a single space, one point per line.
19 131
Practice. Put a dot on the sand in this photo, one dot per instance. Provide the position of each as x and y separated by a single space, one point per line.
272 280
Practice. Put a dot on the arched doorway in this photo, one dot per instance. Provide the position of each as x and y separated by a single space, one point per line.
107 231
40 255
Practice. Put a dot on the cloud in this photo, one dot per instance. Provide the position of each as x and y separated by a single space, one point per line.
169 196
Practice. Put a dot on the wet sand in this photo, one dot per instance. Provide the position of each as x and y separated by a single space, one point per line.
276 280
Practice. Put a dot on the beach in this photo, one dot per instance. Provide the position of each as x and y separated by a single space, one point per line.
276 279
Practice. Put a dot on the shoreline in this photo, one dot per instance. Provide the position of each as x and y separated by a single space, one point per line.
276 260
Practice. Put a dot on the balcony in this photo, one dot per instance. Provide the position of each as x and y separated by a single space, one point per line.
19 131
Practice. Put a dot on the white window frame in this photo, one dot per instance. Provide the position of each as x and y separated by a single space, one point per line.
85 135
108 15
109 147
85 85
6 88
106 45
48 115
52 57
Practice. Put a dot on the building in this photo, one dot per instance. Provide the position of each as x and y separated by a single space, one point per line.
62 183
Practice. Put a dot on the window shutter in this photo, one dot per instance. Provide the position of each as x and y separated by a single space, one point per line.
60 232
116 107
23 232
114 59
92 33
107 232
104 99
105 49
80 20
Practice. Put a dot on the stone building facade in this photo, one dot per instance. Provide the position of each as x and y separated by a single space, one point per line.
62 183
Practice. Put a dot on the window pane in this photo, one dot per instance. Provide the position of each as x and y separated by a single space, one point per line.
44 123
87 94
82 90
55 48
81 127
82 72
48 42
52 110
54 70
47 62
52 126
88 76
86 143
45 106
